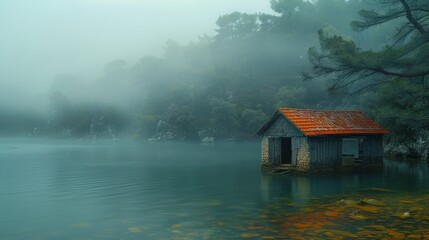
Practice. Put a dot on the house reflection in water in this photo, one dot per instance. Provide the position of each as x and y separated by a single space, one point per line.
301 189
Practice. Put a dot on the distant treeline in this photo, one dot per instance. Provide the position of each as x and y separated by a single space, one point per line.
225 86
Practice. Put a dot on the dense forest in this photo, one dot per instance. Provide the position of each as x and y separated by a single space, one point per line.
332 54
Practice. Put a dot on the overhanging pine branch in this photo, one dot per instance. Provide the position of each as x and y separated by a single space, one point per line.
399 74
411 18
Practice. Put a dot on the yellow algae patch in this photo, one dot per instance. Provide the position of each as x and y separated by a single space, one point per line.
254 228
366 233
268 237
307 209
303 225
134 230
374 202
331 213
414 236
249 235
416 209
403 215
306 223
395 234
343 233
357 216
347 201
297 237
268 229
378 227
407 201
370 209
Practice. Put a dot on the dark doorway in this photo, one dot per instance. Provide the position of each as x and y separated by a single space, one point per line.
286 151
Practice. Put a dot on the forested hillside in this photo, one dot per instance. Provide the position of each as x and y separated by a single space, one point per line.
321 55
222 86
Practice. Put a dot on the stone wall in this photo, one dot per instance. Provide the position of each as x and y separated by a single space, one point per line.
303 156
264 152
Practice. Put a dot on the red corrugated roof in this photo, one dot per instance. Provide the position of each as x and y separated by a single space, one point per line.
316 122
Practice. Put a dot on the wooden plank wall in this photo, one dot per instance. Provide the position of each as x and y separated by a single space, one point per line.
373 149
296 143
282 127
274 146
325 151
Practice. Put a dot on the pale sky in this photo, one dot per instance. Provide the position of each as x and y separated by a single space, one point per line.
40 39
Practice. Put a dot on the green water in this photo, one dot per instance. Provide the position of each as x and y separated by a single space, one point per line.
132 190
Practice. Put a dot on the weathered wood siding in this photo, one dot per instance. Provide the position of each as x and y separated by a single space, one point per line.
373 149
295 146
282 127
274 148
325 152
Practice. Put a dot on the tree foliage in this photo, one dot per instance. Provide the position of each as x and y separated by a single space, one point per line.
222 86
393 76
404 56
227 85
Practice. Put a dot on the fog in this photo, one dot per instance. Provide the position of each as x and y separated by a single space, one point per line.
158 70
204 70
43 38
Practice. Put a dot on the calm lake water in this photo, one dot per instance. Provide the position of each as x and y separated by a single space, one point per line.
133 190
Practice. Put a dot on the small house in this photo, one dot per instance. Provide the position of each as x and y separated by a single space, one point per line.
307 140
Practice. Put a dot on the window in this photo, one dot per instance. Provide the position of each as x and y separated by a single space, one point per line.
351 147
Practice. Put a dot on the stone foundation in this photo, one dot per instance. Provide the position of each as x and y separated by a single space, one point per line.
264 152
303 157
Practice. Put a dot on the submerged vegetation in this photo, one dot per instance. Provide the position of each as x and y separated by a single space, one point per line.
390 216
225 86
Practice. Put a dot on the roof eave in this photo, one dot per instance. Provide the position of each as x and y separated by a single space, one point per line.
350 133
264 127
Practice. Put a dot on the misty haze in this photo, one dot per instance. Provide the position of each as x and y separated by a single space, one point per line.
186 119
